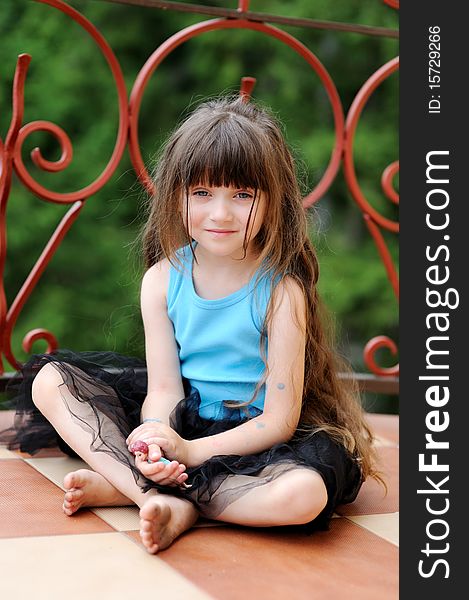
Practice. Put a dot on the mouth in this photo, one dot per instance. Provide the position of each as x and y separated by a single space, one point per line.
220 231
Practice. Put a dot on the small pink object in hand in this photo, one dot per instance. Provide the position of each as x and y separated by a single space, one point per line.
140 446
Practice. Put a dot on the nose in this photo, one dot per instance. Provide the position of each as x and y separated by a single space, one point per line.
220 210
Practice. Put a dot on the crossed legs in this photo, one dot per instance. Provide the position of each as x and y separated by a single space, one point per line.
295 497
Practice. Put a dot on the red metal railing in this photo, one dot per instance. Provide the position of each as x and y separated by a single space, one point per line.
127 135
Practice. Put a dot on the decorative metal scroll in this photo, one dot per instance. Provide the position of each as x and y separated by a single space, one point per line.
373 219
11 157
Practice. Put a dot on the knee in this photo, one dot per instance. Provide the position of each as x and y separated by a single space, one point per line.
302 495
45 384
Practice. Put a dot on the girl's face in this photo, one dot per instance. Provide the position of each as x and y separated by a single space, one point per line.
218 218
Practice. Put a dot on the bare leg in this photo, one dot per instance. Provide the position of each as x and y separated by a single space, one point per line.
296 497
115 483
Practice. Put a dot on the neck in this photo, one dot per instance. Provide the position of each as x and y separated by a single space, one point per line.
235 265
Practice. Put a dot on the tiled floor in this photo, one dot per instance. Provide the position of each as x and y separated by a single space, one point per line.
96 554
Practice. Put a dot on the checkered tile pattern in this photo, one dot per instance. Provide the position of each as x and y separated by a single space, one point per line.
97 553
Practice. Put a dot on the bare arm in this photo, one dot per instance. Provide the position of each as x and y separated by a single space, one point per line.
284 386
165 387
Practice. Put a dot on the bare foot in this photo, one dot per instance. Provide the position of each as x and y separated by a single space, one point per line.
87 488
162 519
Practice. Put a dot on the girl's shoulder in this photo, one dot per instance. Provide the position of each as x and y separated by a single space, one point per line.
288 294
155 280
161 279
158 270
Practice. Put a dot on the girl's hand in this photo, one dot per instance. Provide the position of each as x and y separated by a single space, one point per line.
170 443
159 437
169 474
145 432
172 474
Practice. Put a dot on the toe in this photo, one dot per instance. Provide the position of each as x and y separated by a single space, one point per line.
76 479
70 480
145 525
148 542
150 546
146 536
150 511
73 495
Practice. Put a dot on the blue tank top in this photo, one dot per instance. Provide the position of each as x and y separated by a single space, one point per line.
218 340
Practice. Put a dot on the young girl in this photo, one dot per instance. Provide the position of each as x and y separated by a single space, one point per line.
241 394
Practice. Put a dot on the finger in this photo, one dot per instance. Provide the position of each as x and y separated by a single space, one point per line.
139 437
133 435
148 469
154 452
173 482
162 442
182 478
153 471
171 470
149 437
177 479
181 475
141 430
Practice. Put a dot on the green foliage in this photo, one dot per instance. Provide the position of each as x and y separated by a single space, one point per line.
89 294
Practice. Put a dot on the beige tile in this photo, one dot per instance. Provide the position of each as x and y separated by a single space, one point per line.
123 518
386 526
88 566
4 453
55 469
126 518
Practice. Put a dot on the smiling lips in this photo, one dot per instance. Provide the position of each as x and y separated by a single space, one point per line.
220 231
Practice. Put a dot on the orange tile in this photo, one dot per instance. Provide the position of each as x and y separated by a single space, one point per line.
31 505
386 426
276 563
43 453
371 499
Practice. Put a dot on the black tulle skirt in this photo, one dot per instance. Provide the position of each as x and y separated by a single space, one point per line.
104 394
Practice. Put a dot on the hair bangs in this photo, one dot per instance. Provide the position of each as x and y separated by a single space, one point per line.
226 156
